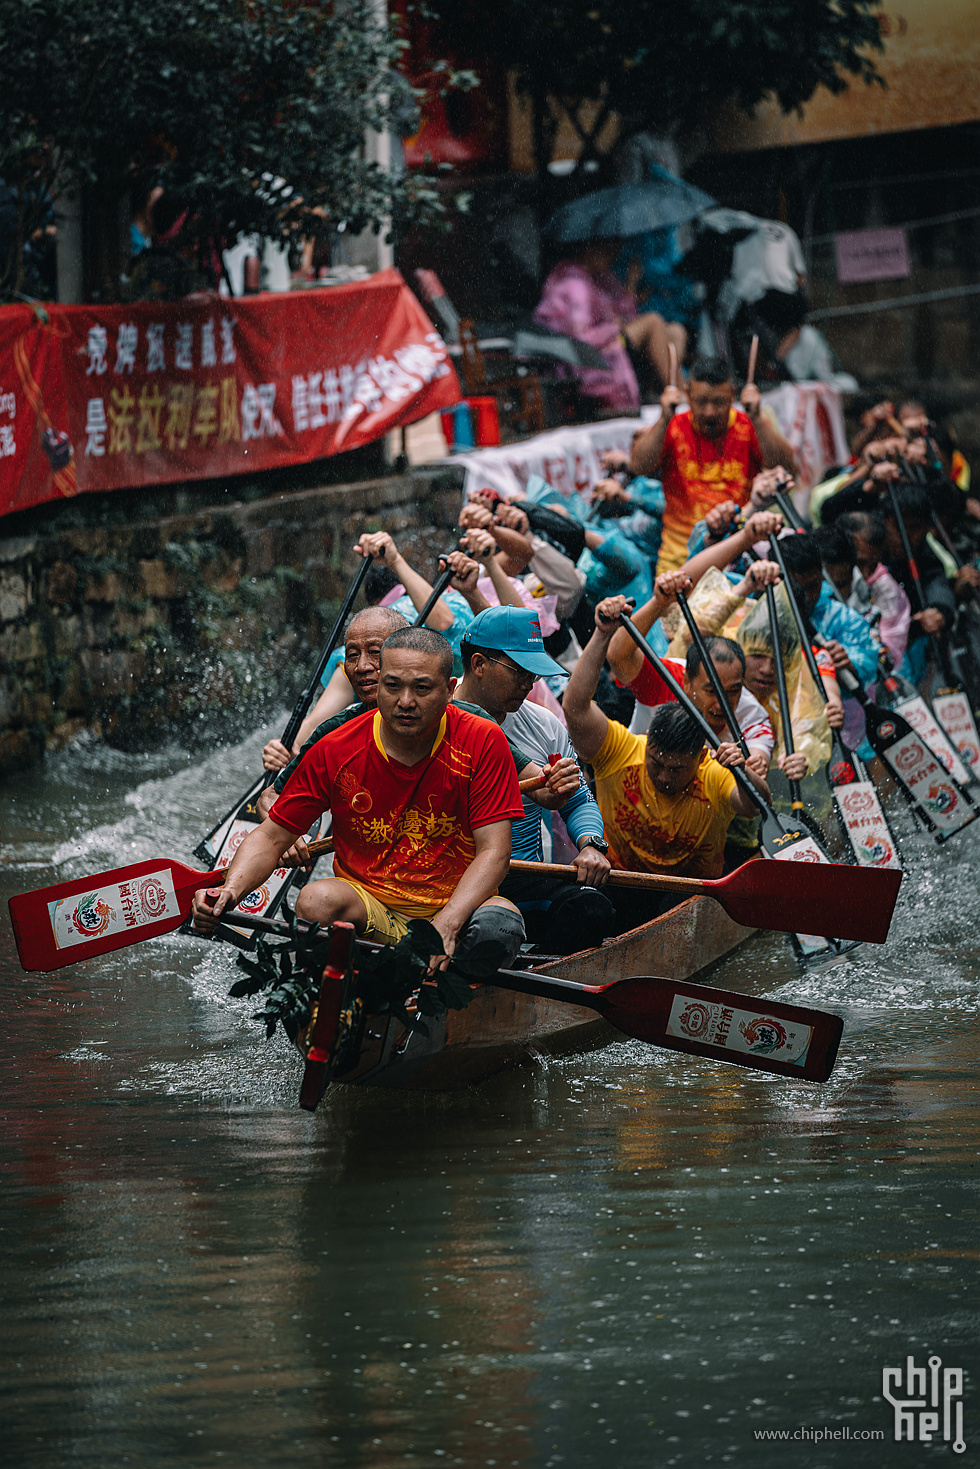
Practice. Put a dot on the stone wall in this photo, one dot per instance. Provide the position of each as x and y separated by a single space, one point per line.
190 625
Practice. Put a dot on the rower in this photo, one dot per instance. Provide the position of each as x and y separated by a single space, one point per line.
666 802
422 794
845 633
391 584
503 653
884 595
363 640
707 456
363 637
939 613
634 672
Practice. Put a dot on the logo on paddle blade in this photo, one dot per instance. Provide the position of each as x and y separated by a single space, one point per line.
841 773
153 899
942 798
875 851
910 757
886 729
92 916
858 801
695 1019
764 1035
255 901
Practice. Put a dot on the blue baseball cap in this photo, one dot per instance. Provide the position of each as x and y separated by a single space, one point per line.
515 631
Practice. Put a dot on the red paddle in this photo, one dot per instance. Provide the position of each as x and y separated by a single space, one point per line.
836 901
59 925
790 1040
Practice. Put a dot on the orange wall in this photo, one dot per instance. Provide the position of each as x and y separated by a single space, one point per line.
931 62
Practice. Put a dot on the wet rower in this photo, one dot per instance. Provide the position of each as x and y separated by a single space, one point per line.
422 794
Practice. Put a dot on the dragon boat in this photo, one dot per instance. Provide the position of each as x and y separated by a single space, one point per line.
502 1028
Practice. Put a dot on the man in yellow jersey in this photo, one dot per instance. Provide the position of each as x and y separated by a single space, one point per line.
666 802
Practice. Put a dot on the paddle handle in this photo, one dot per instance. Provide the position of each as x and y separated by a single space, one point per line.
782 691
650 882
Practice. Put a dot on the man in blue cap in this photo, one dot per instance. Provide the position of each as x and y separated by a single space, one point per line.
503 653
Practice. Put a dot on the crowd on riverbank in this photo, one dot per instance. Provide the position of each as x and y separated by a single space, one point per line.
632 676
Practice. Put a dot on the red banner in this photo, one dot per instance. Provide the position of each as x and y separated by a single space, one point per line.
109 397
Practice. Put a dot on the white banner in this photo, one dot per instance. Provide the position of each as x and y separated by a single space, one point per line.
809 414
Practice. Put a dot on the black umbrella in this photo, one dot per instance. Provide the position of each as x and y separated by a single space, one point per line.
630 209
532 340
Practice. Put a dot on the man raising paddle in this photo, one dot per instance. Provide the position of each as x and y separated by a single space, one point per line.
422 794
707 456
666 803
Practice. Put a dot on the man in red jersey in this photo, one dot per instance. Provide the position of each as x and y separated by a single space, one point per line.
422 795
707 456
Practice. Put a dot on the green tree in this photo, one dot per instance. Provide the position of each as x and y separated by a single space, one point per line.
661 65
256 108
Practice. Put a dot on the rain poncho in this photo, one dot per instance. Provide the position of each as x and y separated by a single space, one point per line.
714 604
811 732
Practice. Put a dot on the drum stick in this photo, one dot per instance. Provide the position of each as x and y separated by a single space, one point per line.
753 354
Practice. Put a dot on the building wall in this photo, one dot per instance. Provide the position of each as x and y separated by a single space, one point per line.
189 626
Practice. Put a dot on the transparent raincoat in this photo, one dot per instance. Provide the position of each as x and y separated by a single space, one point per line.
811 732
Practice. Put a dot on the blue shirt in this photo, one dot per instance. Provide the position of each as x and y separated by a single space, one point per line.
542 734
843 625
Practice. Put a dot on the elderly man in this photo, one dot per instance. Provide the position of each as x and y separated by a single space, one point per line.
422 794
363 637
707 456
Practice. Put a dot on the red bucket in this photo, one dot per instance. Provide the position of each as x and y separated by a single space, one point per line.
486 421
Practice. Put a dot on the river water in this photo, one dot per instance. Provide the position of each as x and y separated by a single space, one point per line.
629 1258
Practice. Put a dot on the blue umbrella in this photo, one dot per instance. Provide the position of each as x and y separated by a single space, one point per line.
630 209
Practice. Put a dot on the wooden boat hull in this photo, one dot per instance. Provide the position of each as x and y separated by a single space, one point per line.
500 1028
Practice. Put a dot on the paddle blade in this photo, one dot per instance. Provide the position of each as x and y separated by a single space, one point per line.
788 1040
70 921
837 901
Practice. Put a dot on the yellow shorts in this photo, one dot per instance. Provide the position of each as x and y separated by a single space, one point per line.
382 924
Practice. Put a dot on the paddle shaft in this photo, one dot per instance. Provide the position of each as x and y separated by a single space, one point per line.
790 513
907 547
753 358
799 619
438 587
295 722
782 691
712 673
309 693
686 703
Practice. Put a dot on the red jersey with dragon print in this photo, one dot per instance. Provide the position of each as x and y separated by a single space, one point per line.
405 832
